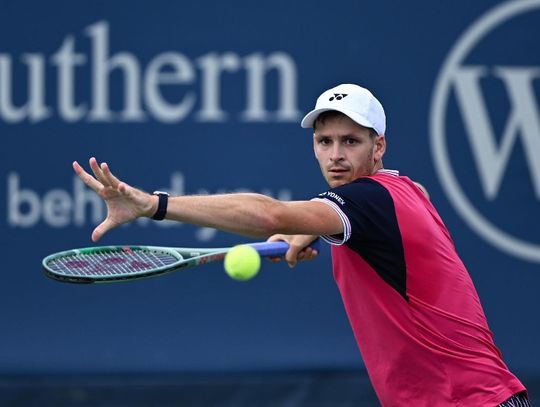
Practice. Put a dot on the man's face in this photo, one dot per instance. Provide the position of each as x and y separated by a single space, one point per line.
346 151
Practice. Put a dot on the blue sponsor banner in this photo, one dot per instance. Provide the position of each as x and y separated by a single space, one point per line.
204 97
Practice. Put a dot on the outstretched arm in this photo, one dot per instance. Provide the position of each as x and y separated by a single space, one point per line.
252 215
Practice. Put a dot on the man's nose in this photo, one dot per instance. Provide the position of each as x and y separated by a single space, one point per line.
337 153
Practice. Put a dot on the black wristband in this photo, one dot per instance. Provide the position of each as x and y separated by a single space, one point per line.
162 205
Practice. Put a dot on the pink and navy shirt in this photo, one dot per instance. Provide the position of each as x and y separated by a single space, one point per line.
414 310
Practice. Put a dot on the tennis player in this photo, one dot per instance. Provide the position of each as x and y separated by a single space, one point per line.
413 308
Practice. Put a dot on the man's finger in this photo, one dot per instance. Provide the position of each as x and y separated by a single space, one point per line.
277 238
101 229
90 181
98 172
126 190
310 253
292 255
111 179
314 253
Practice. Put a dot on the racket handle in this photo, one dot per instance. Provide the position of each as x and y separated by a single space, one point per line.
278 249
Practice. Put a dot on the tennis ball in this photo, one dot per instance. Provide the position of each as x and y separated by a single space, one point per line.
242 262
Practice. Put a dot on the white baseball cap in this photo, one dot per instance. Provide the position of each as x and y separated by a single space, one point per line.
356 102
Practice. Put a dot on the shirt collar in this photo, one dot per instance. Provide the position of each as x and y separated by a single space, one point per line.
389 172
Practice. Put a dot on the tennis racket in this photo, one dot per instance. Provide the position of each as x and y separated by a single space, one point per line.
109 264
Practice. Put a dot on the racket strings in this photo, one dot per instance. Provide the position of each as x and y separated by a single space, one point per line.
111 263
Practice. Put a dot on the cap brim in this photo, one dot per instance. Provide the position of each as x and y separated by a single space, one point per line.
309 119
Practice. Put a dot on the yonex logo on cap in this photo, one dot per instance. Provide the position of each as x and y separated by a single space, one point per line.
338 96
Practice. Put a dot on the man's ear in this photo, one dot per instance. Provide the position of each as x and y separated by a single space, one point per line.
379 148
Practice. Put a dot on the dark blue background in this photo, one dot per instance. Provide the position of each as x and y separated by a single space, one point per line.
200 320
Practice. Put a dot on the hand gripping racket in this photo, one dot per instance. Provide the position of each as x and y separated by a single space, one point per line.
109 264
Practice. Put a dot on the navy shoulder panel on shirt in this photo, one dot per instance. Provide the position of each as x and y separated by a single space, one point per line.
375 233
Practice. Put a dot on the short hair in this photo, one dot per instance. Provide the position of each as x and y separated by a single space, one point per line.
334 114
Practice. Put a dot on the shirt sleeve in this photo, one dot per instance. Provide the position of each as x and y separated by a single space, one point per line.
360 205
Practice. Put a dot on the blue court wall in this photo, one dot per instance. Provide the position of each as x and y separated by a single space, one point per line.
206 97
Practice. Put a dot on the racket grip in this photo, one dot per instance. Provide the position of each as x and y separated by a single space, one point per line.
278 249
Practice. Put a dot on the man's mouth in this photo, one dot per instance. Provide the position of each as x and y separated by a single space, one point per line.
337 171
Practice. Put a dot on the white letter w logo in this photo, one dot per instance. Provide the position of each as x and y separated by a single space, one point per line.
491 160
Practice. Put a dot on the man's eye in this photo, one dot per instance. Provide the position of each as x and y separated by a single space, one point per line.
351 141
324 141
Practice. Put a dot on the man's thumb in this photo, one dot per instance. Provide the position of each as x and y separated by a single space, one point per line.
101 229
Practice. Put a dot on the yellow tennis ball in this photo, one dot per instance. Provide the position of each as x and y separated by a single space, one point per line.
242 262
